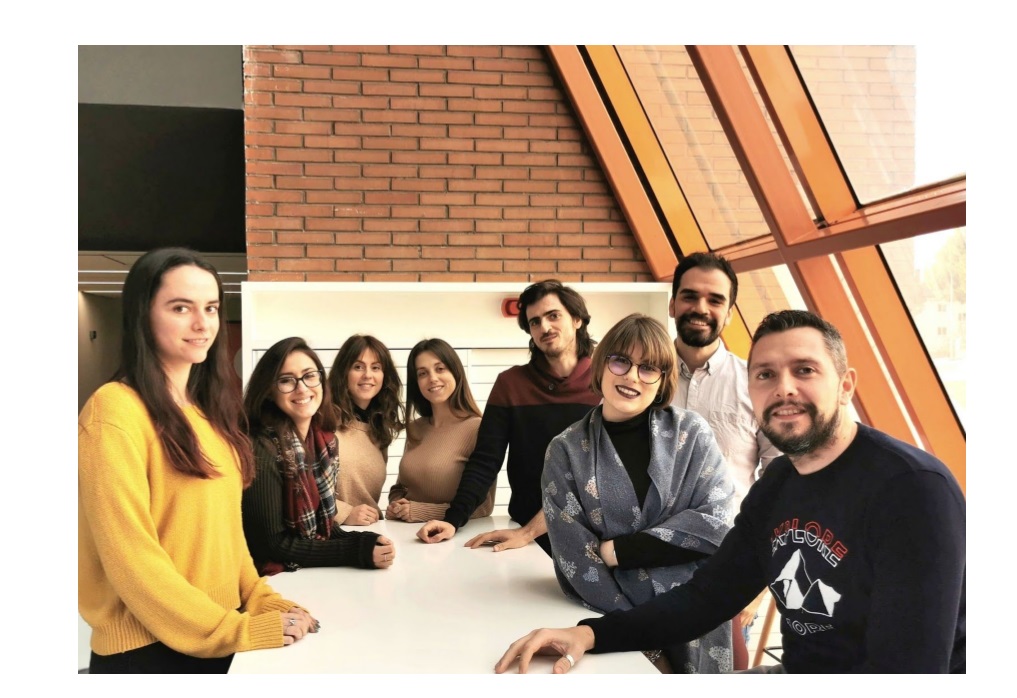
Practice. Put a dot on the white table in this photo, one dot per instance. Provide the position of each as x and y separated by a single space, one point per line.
440 609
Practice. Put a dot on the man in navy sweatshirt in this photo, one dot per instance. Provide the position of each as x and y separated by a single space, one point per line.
859 537
528 406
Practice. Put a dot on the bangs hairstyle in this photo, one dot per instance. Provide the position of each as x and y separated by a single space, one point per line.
570 300
385 413
784 320
259 398
211 385
461 401
658 349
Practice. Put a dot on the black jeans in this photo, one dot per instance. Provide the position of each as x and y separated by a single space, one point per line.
156 658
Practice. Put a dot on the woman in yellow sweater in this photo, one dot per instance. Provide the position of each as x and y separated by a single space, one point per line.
440 441
364 386
164 576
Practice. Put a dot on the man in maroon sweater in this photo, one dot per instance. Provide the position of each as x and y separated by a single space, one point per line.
529 405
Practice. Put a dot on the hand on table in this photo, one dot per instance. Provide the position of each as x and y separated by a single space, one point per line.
435 531
399 509
505 539
362 515
384 553
296 624
563 642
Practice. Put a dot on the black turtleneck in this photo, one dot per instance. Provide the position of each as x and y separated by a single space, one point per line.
631 440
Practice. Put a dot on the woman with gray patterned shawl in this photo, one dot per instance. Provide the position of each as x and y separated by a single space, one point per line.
636 494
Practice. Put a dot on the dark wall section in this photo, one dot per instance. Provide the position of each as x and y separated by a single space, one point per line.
155 176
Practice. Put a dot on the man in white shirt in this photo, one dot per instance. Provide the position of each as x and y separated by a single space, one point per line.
712 381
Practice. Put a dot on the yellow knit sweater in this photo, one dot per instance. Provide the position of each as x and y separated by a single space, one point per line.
162 555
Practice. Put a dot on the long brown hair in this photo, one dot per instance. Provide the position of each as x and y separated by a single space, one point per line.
385 411
210 384
259 398
461 401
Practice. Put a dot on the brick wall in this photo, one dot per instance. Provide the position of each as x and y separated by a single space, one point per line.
424 163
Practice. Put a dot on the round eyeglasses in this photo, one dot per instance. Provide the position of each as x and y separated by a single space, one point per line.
287 384
620 365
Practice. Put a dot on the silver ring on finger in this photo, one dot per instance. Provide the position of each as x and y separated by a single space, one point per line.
572 662
293 621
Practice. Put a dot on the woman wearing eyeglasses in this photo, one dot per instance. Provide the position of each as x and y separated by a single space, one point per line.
289 511
636 494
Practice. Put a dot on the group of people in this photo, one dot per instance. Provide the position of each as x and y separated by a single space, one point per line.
627 460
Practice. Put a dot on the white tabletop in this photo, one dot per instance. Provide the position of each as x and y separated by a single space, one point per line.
440 609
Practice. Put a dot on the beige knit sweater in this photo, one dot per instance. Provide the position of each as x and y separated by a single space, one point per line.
361 471
431 466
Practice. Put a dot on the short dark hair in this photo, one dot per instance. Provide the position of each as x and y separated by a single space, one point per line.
461 401
574 305
259 398
705 260
784 320
655 344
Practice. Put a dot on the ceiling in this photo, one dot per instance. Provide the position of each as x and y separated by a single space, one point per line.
103 273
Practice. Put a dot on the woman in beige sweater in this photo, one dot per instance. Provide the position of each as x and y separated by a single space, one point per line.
440 441
365 387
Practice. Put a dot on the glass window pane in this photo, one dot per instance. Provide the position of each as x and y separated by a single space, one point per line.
895 114
765 291
694 143
930 271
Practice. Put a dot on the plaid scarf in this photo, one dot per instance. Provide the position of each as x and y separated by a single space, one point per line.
309 488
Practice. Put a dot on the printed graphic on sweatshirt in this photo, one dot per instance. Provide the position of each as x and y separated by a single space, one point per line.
798 591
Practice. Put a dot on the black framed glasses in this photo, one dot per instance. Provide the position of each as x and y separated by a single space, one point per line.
620 365
287 384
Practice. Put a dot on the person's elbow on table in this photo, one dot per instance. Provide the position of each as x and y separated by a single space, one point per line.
435 531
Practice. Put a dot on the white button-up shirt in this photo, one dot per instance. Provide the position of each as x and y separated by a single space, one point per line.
719 391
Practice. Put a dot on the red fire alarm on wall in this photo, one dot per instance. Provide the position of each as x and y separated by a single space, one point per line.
510 307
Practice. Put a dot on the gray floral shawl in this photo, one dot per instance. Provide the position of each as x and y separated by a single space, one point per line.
588 498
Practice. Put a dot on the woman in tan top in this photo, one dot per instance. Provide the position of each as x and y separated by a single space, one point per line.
365 389
440 441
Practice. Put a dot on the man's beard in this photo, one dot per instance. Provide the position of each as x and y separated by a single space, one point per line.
819 434
694 336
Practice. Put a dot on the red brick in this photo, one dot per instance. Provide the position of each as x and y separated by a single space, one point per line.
419 158
497 226
531 266
270 223
261 55
336 251
474 239
502 200
423 239
474 265
390 276
389 197
425 50
555 253
283 99
501 253
446 118
297 210
274 168
447 199
364 265
399 89
361 156
503 146
331 59
388 61
418 212
392 252
317 128
416 76
527 79
419 265
556 227
622 266
533 54
275 250
500 119
259 84
276 276
473 77
419 185
363 239
530 159
335 276
331 88
607 253
530 240
448 252
390 117
474 158
447 226
489 185
477 212
263 238
301 71
475 51
419 130
303 237
446 63
273 196
259 209
530 213
528 107
332 224
303 182
473 105
584 266
446 277
531 186
303 155
389 171
335 197
315 169
446 144
306 265
388 225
